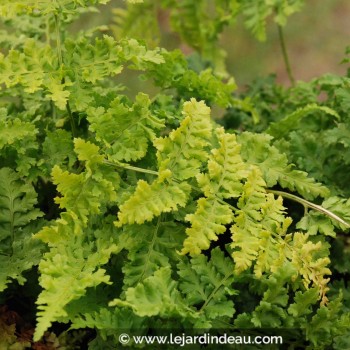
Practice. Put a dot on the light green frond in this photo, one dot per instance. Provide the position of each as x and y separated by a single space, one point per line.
314 222
226 169
30 67
257 150
149 201
183 151
138 54
125 128
303 302
81 195
108 56
88 153
207 222
258 225
311 260
139 22
67 270
104 52
175 73
12 131
180 156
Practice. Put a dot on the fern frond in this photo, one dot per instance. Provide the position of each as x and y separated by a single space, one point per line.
109 321
226 171
256 149
125 128
180 156
81 194
290 122
28 67
17 206
150 246
311 261
139 22
26 253
183 151
14 130
206 284
258 221
157 295
175 73
149 201
207 222
67 270
18 137
258 11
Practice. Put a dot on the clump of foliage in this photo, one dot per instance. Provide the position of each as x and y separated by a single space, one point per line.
144 213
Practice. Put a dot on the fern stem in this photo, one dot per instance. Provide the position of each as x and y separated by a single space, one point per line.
285 55
311 205
210 297
155 173
71 119
133 168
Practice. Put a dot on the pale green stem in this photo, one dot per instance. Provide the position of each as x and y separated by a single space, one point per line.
311 205
133 168
302 201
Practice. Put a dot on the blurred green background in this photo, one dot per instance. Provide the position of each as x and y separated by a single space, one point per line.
316 39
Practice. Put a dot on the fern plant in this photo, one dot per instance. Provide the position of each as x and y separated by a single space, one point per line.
142 213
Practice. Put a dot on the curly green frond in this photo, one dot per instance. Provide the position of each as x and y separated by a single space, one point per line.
175 73
184 150
207 223
226 171
125 128
258 223
27 253
256 149
81 195
180 156
67 270
149 201
311 261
